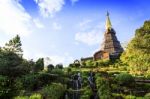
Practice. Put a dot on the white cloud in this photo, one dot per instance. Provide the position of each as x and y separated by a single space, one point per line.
13 18
85 24
65 59
38 23
91 38
56 26
90 34
49 7
74 1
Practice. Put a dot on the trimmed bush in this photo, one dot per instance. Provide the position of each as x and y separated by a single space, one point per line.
147 96
21 97
36 96
33 96
125 79
117 96
57 71
53 91
130 97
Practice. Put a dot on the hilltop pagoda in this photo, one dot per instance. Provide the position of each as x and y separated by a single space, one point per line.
111 47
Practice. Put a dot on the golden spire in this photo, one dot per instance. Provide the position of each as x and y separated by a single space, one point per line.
108 22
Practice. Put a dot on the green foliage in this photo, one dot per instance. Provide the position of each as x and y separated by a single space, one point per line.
39 65
36 96
4 88
103 63
21 97
130 97
53 91
12 65
50 67
33 96
14 45
103 85
76 64
137 54
89 63
117 96
147 96
35 81
9 88
57 71
45 78
59 66
30 82
83 64
71 65
87 93
124 79
69 70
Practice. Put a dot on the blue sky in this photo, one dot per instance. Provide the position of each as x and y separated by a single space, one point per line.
65 30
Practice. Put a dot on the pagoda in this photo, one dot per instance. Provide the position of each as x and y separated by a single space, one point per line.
111 47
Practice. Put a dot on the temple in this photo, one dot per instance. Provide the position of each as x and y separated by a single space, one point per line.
111 47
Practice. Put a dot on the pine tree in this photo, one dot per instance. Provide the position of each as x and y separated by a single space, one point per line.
137 54
14 45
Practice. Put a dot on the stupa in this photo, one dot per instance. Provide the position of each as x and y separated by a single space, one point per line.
111 47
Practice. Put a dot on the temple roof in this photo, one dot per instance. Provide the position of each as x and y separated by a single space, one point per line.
108 22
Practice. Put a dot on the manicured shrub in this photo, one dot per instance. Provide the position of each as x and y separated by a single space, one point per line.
36 96
103 63
21 97
125 79
53 91
89 64
147 96
117 96
130 97
57 71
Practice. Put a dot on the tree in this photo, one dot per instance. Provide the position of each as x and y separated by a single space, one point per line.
137 54
59 66
14 45
12 65
77 63
50 67
39 65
